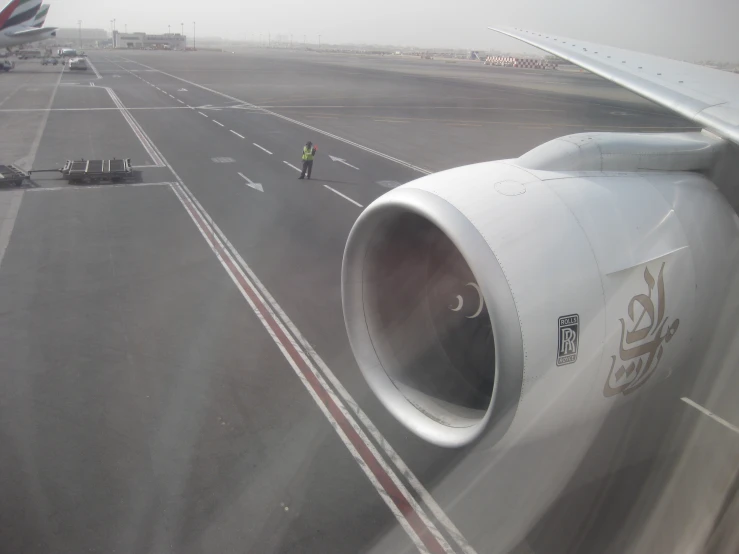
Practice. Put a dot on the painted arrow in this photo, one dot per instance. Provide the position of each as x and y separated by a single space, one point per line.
251 183
181 90
342 161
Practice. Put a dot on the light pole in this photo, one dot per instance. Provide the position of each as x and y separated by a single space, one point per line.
182 29
79 31
125 28
169 29
114 25
193 35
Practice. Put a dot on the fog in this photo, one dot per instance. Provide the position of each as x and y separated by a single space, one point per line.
681 29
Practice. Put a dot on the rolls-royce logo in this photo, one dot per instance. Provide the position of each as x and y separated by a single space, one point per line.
569 332
643 338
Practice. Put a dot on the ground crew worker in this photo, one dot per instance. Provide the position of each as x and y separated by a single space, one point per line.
308 152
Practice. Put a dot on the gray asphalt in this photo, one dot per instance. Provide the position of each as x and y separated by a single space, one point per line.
143 406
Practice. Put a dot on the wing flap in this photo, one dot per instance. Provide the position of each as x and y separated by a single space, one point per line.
706 96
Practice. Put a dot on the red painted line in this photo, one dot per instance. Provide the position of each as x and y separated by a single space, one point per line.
418 526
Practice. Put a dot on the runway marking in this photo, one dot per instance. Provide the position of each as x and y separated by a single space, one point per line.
342 161
464 125
321 116
539 128
137 130
201 113
263 148
90 187
414 107
180 101
391 121
27 161
97 73
170 95
237 134
218 122
294 121
164 108
710 414
395 502
22 85
344 196
419 528
8 217
291 165
252 184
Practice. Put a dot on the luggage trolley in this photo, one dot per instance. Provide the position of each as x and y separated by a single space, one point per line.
94 171
12 175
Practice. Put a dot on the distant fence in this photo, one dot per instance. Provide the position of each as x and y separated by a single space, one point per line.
530 63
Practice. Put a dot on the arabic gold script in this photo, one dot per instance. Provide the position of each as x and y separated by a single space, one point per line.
643 338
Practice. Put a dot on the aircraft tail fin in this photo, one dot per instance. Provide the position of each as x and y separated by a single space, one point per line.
19 12
41 14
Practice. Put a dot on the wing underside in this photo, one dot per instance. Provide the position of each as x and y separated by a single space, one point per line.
31 33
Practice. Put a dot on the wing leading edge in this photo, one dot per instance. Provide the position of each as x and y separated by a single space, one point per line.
704 95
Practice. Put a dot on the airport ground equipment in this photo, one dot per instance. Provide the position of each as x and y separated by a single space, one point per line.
12 175
94 171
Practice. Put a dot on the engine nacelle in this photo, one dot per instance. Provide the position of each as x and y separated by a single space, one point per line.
495 295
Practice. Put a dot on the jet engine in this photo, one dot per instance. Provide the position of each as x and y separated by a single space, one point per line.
545 289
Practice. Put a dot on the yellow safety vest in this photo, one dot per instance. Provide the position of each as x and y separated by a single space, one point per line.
307 153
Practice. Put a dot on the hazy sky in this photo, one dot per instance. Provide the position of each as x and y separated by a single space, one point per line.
683 29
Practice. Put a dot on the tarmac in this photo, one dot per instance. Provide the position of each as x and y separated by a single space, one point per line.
176 372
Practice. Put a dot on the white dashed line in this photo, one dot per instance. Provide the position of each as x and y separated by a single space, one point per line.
201 113
170 95
267 151
237 134
180 101
219 123
291 165
344 196
710 414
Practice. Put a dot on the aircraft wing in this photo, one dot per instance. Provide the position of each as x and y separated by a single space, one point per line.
31 33
707 96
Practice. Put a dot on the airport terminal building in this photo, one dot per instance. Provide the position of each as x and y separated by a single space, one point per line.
173 41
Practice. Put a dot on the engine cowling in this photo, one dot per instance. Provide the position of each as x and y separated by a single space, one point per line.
495 296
